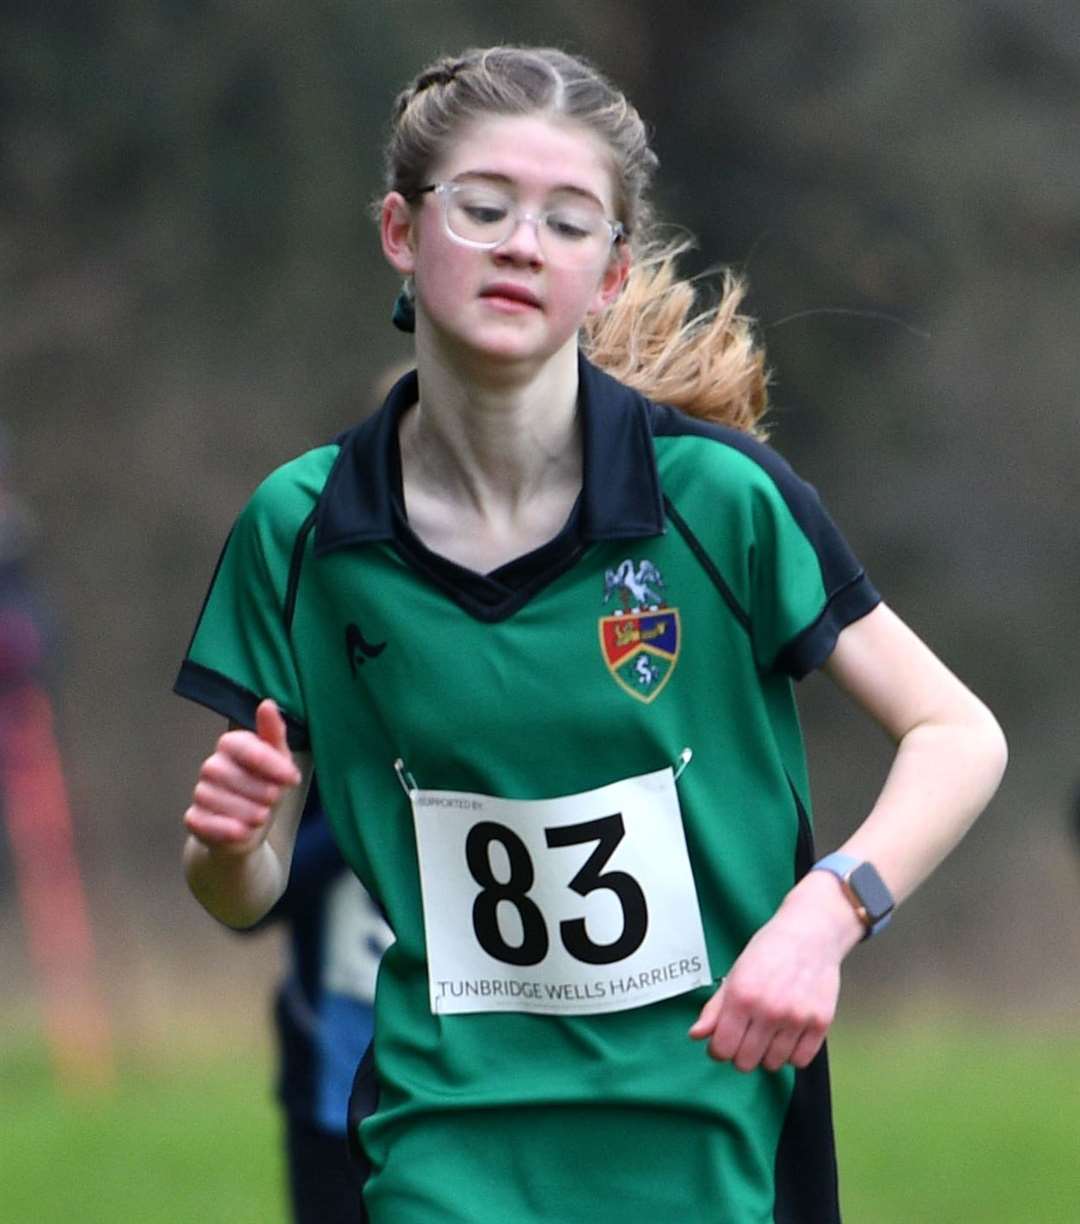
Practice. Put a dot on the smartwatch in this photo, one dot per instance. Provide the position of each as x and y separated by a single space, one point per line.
864 888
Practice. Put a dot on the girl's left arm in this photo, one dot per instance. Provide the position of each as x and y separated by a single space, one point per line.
779 998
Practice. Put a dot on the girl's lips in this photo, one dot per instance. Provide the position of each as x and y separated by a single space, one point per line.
509 292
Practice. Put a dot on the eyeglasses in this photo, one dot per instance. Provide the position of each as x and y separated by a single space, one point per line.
570 235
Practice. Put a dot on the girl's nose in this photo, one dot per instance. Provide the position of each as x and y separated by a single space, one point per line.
523 242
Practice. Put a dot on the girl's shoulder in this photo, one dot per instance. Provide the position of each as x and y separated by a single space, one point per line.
302 477
725 462
284 500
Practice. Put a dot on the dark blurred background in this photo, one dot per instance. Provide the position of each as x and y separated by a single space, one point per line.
192 293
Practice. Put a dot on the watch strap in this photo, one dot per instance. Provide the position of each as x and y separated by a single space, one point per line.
842 866
839 864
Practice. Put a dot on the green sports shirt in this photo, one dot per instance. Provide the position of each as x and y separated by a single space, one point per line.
696 577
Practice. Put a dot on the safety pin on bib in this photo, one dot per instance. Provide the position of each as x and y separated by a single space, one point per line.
684 759
408 782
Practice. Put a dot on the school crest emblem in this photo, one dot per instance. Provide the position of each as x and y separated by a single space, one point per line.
640 640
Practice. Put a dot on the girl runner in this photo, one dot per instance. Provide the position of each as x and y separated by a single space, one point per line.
536 625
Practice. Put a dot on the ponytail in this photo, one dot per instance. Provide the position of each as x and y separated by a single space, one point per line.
655 340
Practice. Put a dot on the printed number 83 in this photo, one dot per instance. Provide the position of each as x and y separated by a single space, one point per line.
607 832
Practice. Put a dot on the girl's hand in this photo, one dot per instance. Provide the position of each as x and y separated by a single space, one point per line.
241 783
779 999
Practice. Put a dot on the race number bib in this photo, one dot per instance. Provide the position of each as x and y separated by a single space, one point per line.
571 906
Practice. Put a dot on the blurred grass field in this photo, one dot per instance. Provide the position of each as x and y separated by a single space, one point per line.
934 1126
958 1127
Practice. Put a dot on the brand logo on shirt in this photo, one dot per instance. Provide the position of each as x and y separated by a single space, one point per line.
358 649
640 641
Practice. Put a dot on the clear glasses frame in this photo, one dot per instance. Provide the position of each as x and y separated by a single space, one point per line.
556 250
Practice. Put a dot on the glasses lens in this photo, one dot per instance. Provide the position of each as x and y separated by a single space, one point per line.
477 214
570 235
575 235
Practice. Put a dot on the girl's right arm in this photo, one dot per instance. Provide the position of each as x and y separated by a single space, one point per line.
243 819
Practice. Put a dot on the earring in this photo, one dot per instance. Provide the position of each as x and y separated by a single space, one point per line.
404 316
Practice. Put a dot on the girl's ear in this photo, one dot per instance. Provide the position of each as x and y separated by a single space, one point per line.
396 232
614 277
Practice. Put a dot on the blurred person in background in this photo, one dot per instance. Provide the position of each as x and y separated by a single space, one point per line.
38 819
22 630
323 1018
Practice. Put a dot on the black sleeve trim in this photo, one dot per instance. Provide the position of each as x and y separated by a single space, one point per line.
238 704
808 651
707 564
295 562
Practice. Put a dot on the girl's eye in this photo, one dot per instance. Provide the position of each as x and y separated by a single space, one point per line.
484 214
569 227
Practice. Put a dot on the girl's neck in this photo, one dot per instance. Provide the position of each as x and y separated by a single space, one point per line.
492 466
493 442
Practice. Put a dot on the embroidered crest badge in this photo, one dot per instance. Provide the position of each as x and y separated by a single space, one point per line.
640 641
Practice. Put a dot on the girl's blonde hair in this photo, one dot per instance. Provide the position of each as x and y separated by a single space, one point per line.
653 338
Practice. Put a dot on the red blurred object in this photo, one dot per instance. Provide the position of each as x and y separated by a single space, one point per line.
50 888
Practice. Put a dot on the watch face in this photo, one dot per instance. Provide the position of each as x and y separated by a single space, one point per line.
870 888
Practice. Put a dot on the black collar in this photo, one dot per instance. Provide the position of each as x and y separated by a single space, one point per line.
620 498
